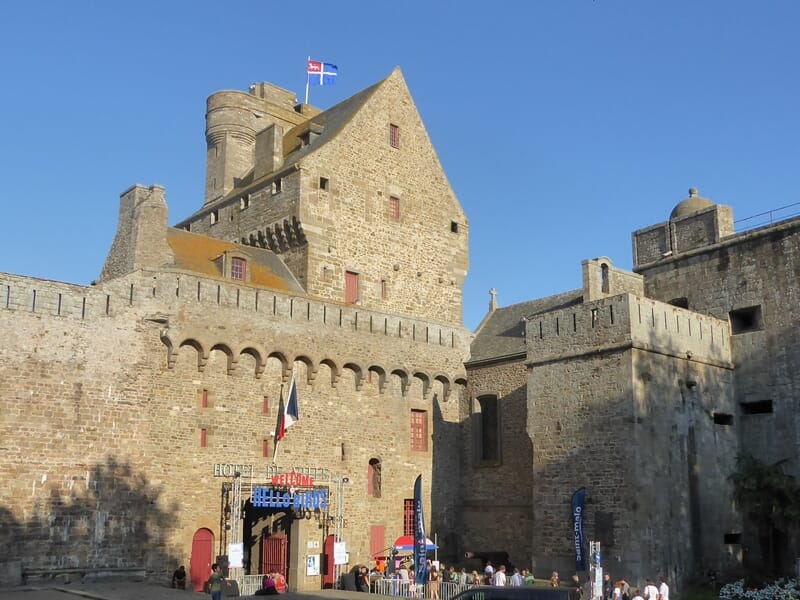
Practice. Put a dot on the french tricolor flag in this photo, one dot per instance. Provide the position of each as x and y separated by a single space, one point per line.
288 413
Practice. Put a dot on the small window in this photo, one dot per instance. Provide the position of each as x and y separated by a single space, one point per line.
374 478
244 202
305 138
265 448
394 136
238 268
453 227
732 538
723 419
744 320
187 227
383 289
265 405
394 207
204 399
489 432
277 186
761 407
350 287
419 431
203 438
214 216
323 183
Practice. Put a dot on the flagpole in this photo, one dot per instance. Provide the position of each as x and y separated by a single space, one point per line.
275 435
307 79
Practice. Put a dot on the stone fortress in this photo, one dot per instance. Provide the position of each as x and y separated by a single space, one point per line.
330 250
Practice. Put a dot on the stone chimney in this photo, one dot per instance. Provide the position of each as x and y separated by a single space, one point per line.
141 238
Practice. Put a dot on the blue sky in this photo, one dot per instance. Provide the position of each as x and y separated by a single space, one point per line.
563 125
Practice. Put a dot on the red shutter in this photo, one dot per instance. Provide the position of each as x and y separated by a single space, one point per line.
350 287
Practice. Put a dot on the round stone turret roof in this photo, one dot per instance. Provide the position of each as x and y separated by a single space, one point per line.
690 205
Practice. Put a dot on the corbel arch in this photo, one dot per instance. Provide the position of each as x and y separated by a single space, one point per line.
445 381
426 382
336 372
232 358
405 380
311 367
358 372
382 378
286 367
259 355
202 353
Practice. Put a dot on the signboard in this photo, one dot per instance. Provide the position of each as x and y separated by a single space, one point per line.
312 565
236 555
339 553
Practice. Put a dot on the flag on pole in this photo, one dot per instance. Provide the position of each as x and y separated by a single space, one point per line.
578 499
288 415
420 541
322 73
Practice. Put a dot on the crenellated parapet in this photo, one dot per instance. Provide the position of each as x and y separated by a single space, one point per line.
625 321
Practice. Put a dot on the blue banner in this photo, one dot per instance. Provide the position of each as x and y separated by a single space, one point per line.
578 499
420 541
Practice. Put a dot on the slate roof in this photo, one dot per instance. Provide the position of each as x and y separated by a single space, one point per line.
502 333
199 254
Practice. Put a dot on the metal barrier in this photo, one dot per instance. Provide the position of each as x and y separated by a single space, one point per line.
408 589
249 584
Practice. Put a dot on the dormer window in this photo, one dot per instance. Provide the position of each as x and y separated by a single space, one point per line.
214 216
238 268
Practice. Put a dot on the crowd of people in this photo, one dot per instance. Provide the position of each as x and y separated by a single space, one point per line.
440 575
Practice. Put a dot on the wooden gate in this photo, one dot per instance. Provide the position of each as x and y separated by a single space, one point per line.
202 556
274 554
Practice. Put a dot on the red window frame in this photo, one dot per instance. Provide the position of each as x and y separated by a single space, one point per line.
350 287
408 516
419 431
394 135
204 399
203 438
394 207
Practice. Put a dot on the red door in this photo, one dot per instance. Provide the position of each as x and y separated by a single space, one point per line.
202 557
274 553
328 568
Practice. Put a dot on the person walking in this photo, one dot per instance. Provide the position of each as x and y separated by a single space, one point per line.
663 589
215 583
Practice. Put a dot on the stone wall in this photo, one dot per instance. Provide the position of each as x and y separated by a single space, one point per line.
100 374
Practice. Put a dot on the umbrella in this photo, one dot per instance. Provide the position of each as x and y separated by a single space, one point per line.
405 543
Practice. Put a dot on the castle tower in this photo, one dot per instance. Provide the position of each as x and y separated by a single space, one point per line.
233 120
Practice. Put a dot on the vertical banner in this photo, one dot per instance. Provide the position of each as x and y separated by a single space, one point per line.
420 541
578 499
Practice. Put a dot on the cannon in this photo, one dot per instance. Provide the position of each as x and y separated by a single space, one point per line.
497 558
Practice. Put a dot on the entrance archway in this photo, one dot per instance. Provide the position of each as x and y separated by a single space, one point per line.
202 558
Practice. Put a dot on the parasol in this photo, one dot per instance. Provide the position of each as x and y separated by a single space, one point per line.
405 543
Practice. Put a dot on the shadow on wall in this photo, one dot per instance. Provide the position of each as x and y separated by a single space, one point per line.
105 516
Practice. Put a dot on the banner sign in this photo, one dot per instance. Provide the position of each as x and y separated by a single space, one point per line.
578 499
420 541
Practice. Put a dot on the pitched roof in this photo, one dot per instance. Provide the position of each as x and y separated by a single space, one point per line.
200 254
328 123
502 333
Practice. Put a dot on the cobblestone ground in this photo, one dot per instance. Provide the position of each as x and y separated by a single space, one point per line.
141 591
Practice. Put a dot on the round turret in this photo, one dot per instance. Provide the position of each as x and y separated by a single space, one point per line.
690 205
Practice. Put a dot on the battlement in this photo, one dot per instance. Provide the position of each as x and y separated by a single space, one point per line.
166 291
627 320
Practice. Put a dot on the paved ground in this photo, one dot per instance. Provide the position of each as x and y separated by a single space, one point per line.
142 591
